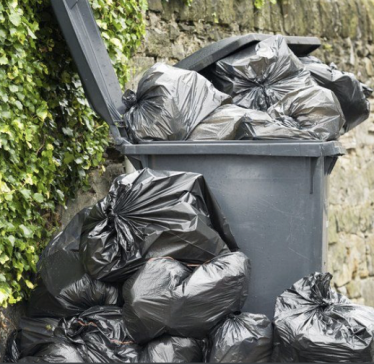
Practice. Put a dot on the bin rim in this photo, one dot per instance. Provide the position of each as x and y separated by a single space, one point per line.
273 148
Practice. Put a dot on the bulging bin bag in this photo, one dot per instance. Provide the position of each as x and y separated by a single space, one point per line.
52 350
242 338
168 297
351 93
169 104
63 287
230 122
30 331
173 349
259 76
313 323
150 214
314 109
100 336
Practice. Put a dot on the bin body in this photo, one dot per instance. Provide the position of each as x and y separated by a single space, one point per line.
275 198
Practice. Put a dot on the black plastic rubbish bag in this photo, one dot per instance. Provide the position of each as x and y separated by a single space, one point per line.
230 122
150 214
168 297
169 104
259 76
53 350
100 336
314 109
30 331
173 349
63 287
351 93
242 338
313 323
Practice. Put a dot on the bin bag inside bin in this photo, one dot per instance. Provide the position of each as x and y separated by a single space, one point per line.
173 349
168 297
63 287
230 122
351 93
53 350
314 109
313 323
260 75
150 214
169 103
99 334
242 338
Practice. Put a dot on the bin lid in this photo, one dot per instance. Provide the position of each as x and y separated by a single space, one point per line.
273 148
212 53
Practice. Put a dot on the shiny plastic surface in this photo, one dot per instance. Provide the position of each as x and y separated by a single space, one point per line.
168 297
151 214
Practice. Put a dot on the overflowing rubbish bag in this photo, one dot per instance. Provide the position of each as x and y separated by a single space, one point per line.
313 323
52 350
242 338
63 287
351 93
30 331
169 104
173 349
100 336
314 109
168 297
234 122
150 214
260 75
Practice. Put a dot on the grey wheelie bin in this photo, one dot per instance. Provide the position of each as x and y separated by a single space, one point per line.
273 193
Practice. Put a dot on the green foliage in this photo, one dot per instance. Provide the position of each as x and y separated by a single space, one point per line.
259 4
49 137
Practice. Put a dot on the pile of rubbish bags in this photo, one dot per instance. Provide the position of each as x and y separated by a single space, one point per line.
152 274
261 92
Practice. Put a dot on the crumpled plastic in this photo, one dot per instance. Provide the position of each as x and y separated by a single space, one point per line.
230 122
313 323
169 104
53 350
242 338
168 297
351 93
150 214
173 349
314 109
63 287
100 336
259 76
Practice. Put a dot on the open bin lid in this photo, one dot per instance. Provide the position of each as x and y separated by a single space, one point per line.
212 53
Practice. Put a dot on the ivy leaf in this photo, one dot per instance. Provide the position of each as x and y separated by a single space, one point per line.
42 112
15 19
29 284
38 197
25 193
27 233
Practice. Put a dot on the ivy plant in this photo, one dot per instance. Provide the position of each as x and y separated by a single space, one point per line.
49 136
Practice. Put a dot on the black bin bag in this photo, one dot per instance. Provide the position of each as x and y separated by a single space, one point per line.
242 338
30 331
313 323
313 109
230 122
53 350
63 287
100 336
169 104
351 93
150 214
173 349
260 75
168 297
